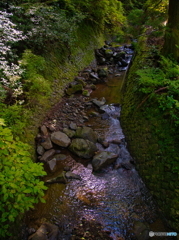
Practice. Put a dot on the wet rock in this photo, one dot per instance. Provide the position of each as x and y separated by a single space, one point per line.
73 126
108 53
52 164
105 116
59 179
141 230
46 143
127 166
46 231
44 130
103 142
83 148
67 168
94 114
70 133
86 133
74 89
40 150
116 141
90 167
98 53
86 93
86 118
103 159
70 175
119 55
60 157
125 155
99 103
80 80
47 155
114 148
102 72
101 60
124 63
61 139
95 76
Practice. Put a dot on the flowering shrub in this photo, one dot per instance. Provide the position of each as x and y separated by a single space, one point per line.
10 73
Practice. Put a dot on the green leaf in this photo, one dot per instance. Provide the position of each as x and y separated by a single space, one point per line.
11 218
42 200
27 190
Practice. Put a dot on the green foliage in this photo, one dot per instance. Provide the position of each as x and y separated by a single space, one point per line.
20 185
135 18
150 79
97 13
156 13
162 85
34 82
2 93
15 118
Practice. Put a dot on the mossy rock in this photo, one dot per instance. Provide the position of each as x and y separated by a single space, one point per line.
83 148
74 89
86 93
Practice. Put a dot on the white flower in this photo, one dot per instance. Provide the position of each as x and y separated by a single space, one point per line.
8 35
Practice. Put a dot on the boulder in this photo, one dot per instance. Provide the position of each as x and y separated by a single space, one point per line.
74 89
86 133
40 150
46 231
61 139
103 142
108 53
124 63
103 159
44 130
119 55
59 179
70 133
125 155
52 164
70 175
60 157
86 93
83 148
99 103
80 80
95 76
102 72
73 126
46 143
47 155
101 60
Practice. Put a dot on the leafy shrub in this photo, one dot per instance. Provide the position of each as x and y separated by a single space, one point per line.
20 185
13 117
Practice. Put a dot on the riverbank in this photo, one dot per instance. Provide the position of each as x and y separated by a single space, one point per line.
152 135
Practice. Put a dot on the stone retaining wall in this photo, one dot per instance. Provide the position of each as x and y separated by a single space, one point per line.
152 144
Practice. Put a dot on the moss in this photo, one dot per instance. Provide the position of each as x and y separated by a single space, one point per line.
152 140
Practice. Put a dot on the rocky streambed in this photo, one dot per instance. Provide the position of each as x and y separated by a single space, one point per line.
94 191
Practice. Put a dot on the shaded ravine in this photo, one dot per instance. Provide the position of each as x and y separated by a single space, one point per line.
109 204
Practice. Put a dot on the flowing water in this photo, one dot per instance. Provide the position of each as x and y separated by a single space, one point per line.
115 197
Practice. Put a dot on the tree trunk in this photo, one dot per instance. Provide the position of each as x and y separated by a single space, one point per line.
171 45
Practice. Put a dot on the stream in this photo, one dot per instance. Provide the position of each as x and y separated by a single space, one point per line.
112 203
